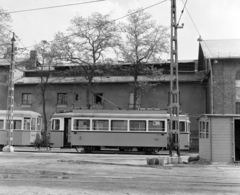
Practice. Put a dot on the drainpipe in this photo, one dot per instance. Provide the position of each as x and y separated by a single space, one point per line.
211 84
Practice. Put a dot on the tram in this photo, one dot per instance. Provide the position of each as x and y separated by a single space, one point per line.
123 129
26 124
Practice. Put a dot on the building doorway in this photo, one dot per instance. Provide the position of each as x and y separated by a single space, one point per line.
237 139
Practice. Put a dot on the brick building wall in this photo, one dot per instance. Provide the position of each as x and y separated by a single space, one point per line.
224 87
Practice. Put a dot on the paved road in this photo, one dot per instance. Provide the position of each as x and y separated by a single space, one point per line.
71 173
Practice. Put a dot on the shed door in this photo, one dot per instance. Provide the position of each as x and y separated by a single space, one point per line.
237 139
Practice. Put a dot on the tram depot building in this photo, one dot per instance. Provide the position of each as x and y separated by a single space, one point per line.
209 86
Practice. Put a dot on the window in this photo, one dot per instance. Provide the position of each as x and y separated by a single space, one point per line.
137 125
81 124
207 129
131 101
26 124
98 98
55 124
100 125
182 126
76 97
17 124
33 124
119 125
26 98
203 129
62 98
156 125
237 107
1 124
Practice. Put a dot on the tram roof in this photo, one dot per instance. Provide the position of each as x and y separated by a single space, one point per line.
117 113
18 113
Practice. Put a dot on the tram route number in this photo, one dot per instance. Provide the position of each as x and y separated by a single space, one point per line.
156 139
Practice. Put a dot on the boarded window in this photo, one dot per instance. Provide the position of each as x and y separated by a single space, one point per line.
136 125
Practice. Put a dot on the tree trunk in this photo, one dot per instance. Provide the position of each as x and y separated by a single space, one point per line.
88 94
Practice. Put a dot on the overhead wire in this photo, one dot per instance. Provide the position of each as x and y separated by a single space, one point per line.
52 7
111 20
182 12
197 28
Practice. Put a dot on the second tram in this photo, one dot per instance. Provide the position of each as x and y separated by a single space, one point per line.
123 129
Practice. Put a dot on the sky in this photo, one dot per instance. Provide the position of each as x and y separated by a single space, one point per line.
212 19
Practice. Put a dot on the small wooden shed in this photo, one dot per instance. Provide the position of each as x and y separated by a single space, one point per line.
219 137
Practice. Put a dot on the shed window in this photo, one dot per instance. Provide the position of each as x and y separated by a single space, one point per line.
26 98
62 98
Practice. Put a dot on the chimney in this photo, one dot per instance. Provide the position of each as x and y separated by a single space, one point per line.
32 60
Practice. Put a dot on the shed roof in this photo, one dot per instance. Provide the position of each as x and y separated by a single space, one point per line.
214 49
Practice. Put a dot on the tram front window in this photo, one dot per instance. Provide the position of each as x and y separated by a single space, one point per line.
27 124
33 124
182 126
1 124
55 124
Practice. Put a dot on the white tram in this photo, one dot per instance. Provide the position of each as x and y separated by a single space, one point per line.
26 124
122 129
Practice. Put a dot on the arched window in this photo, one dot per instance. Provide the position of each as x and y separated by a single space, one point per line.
237 92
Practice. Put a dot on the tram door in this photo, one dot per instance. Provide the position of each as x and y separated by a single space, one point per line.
67 132
237 139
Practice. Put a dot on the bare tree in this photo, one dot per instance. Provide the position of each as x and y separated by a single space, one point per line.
44 67
5 33
90 40
143 41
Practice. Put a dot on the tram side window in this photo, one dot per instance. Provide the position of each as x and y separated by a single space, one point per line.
1 124
137 125
119 125
81 124
17 124
156 125
33 124
182 126
55 124
100 125
26 124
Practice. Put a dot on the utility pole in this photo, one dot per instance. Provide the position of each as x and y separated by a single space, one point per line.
10 99
174 85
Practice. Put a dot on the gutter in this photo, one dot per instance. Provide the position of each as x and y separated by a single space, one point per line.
211 84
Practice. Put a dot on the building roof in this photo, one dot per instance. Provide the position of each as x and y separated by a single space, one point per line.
109 79
221 49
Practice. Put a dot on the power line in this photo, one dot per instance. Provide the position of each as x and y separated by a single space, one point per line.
182 12
200 39
110 21
51 7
